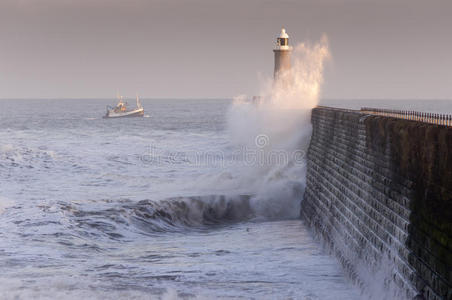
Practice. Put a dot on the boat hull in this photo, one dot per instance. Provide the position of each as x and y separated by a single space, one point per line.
128 114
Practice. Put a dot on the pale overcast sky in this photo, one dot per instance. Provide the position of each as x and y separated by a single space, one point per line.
210 48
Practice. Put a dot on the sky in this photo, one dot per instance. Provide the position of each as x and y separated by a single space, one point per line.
396 49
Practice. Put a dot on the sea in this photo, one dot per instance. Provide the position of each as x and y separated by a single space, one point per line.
152 208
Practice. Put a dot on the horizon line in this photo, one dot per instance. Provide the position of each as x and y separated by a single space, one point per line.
220 98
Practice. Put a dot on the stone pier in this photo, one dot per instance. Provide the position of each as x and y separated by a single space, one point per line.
380 189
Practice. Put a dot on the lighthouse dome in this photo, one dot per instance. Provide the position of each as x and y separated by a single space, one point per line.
283 34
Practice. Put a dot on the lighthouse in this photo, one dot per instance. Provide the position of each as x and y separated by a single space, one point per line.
282 54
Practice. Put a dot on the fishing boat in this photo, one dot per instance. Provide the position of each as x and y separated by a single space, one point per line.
121 111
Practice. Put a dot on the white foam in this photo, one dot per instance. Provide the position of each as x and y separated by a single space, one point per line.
282 123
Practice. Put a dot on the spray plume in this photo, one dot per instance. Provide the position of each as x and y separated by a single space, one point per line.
277 131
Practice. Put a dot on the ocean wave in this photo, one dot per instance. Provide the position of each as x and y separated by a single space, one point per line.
168 215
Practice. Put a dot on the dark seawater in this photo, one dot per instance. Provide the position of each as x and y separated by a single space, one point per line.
125 209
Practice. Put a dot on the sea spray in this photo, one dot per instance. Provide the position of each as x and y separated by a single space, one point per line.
276 131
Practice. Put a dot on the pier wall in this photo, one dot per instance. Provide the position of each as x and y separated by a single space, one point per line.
380 189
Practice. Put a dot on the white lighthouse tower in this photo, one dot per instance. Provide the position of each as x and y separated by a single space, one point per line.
282 54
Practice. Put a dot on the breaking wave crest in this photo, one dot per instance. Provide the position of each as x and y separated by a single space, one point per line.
181 213
168 215
191 212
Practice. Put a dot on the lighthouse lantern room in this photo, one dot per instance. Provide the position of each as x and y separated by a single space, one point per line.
282 52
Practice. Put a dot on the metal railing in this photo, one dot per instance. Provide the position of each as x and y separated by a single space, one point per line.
432 118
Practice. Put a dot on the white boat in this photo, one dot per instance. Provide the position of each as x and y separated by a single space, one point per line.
121 111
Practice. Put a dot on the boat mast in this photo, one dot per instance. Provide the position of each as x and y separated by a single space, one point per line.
138 102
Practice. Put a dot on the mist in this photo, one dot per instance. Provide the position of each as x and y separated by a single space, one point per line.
275 132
